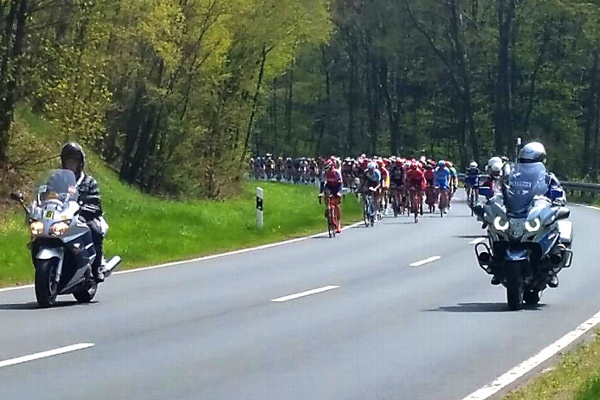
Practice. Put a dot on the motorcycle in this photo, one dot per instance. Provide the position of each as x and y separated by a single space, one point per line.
62 249
529 239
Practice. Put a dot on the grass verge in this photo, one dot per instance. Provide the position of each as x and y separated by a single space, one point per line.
146 230
575 377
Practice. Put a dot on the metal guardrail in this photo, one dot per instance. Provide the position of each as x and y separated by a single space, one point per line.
571 187
581 187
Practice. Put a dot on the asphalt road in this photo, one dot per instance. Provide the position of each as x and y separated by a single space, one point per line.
384 330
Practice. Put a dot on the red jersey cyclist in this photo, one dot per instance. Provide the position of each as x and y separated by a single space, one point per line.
332 186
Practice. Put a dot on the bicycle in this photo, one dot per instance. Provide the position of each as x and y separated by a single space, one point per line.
416 203
443 203
331 216
431 198
368 209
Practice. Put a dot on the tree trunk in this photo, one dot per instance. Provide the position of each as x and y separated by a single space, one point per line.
12 44
504 135
590 116
261 72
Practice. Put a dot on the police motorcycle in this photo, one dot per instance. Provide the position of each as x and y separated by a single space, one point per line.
529 239
62 250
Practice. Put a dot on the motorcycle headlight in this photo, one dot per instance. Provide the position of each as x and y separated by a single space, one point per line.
59 228
36 228
534 225
500 224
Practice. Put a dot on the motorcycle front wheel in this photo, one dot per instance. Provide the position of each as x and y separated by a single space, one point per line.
514 285
46 289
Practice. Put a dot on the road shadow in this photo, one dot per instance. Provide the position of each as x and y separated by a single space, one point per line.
484 308
470 236
34 305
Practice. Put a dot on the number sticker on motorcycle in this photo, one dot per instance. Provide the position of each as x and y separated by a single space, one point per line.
49 215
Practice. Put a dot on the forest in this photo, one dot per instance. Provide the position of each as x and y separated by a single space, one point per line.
177 95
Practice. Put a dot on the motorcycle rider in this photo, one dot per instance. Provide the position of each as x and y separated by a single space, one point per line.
535 152
72 157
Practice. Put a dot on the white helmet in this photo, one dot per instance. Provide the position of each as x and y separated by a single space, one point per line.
494 160
473 165
371 166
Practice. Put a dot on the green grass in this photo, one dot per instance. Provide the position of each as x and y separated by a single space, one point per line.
576 377
146 230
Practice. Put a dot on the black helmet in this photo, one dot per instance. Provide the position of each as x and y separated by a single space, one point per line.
73 151
532 152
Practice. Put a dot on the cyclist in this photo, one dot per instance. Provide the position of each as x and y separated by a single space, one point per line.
494 170
430 190
472 183
385 184
415 180
397 178
332 185
453 181
441 181
371 182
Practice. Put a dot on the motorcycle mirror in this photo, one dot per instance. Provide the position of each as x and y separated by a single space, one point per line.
563 213
17 196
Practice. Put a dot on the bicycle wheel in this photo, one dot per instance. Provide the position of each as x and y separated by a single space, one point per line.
329 223
366 211
334 222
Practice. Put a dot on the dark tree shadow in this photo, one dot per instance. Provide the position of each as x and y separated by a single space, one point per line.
484 307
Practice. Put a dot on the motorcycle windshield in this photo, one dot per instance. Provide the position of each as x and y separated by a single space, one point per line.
61 185
525 182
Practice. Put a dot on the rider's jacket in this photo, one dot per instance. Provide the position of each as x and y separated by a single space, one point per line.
415 179
441 177
372 178
472 177
89 197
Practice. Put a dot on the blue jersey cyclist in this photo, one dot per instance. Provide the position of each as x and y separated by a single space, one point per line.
441 176
371 182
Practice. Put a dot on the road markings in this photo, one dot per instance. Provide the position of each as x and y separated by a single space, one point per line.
45 354
527 366
477 241
206 258
303 294
426 261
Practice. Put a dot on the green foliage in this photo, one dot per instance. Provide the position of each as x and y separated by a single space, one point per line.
176 94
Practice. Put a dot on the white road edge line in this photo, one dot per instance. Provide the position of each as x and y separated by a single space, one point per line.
206 258
45 354
527 366
477 241
304 294
426 261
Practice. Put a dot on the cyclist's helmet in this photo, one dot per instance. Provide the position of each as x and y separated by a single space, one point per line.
441 163
473 165
449 164
73 151
328 166
371 166
532 152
